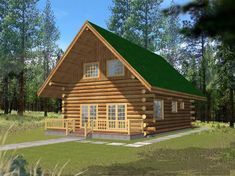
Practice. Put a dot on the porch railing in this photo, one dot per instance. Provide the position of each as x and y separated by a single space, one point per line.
61 124
103 125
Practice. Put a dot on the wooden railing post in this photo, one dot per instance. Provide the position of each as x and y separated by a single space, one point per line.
85 130
129 126
66 128
74 122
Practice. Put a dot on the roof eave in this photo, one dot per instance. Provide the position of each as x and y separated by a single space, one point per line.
177 93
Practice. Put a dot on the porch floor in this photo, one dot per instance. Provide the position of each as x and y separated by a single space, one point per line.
98 134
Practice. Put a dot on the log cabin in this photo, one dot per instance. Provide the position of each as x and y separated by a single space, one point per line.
112 88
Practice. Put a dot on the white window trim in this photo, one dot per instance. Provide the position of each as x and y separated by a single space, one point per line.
182 102
116 110
107 69
84 70
162 115
176 107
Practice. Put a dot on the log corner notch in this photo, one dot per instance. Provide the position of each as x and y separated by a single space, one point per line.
60 85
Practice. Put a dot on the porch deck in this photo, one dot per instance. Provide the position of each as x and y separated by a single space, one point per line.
99 128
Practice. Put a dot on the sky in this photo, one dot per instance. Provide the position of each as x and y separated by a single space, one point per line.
71 14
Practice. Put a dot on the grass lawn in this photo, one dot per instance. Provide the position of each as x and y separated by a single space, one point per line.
26 128
208 153
29 135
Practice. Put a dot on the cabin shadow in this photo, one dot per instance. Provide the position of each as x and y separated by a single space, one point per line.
188 161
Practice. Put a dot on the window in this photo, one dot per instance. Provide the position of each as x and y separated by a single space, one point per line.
91 70
158 109
174 106
182 105
116 115
88 114
115 68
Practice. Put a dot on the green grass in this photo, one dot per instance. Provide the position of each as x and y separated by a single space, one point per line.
30 120
29 135
207 153
26 128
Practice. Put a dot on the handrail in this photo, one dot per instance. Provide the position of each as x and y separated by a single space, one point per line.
128 126
61 124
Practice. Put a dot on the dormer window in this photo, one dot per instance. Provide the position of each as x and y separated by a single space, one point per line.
115 68
91 70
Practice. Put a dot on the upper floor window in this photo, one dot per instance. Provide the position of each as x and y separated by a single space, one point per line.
174 106
115 68
158 109
91 70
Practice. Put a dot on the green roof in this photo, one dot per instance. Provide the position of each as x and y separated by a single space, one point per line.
152 67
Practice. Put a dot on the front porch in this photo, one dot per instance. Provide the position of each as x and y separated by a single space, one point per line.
100 128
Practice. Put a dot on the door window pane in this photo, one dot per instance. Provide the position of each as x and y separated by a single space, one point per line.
112 112
84 114
121 112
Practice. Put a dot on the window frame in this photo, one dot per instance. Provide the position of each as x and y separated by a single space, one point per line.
182 103
176 109
116 110
88 113
107 68
84 70
162 111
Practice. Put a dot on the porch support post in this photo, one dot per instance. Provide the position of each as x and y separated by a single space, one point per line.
74 121
66 128
129 126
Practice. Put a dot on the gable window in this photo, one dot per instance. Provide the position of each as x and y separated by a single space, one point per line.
115 68
174 106
159 109
182 105
91 70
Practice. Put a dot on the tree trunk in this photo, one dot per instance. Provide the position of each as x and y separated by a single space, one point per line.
21 94
5 95
231 124
208 107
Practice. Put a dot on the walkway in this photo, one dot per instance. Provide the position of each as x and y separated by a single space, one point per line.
150 141
38 143
81 140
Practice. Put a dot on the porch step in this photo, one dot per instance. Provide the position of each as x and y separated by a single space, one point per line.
79 133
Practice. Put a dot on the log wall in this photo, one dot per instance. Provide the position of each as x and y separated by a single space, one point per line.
123 89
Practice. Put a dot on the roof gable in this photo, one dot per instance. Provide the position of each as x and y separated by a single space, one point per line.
152 67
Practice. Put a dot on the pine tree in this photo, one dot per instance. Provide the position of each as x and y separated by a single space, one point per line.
120 13
145 22
138 21
23 20
169 46
50 36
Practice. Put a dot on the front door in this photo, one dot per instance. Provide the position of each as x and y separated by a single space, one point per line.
116 116
88 115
